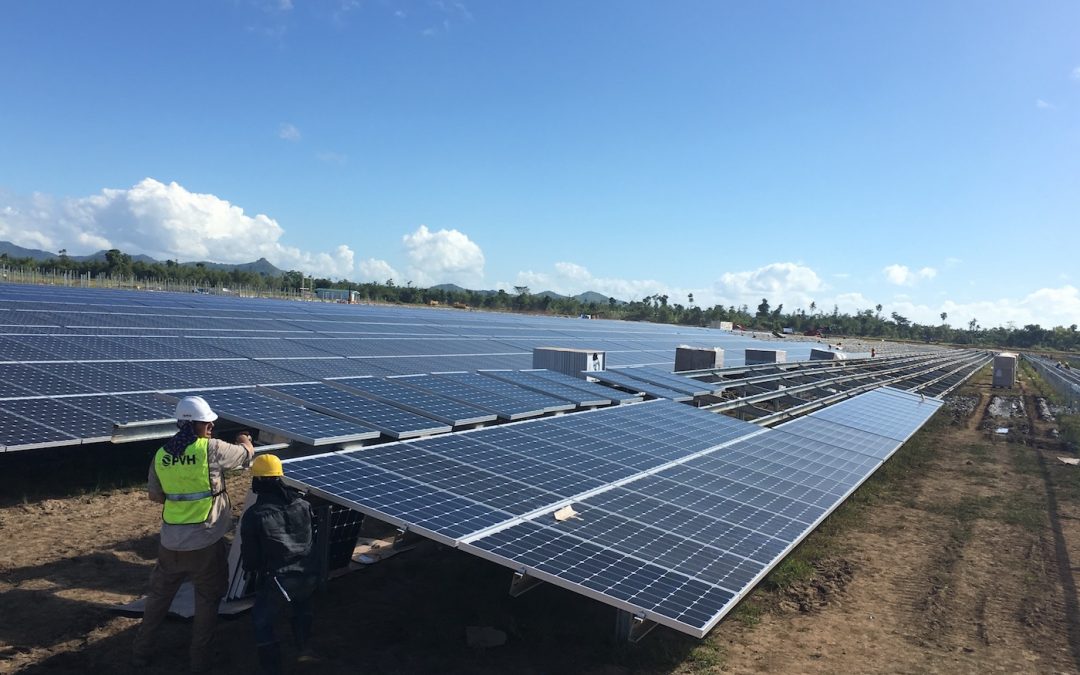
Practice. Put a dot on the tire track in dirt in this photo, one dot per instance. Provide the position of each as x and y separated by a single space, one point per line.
1060 554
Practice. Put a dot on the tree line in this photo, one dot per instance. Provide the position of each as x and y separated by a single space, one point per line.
659 308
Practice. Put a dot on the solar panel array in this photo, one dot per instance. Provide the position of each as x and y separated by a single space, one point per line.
65 344
620 378
680 512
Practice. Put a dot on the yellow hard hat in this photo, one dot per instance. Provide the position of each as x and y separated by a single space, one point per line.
266 466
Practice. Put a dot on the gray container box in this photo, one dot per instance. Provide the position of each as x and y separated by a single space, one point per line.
698 358
1005 369
757 356
826 355
568 361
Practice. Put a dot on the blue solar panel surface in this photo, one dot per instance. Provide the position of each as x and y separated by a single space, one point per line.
616 377
505 407
291 421
527 380
667 379
510 391
584 385
449 411
679 511
389 419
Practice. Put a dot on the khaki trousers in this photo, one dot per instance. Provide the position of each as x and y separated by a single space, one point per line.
207 568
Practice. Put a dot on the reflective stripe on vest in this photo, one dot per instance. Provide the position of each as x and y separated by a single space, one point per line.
185 479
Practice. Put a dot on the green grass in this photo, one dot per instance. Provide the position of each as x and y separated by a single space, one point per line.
792 569
1022 510
979 451
1025 460
748 613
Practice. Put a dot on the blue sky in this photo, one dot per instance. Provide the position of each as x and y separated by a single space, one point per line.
924 156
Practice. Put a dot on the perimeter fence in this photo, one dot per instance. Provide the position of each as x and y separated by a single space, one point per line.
54 277
1065 382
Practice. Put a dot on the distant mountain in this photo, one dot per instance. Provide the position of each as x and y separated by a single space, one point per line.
99 256
454 288
587 297
590 297
260 266
550 294
14 251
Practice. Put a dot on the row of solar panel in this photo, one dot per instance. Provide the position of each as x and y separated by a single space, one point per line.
680 511
347 409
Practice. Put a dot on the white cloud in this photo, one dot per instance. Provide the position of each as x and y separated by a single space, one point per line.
445 256
901 275
570 278
953 262
1076 73
373 269
164 222
790 284
1044 105
1048 307
288 132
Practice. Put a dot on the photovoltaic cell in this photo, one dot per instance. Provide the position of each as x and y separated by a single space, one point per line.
391 497
39 382
617 378
526 380
19 433
94 378
120 410
885 412
692 508
68 419
446 410
586 386
391 420
841 435
509 390
662 378
276 416
505 408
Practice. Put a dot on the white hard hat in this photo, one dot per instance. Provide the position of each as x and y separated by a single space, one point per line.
196 409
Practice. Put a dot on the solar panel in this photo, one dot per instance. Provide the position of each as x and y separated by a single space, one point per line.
868 443
391 420
509 390
617 378
19 433
278 417
147 374
680 511
330 367
670 380
884 411
526 380
586 386
74 421
446 410
39 382
395 499
119 410
94 378
506 408
50 348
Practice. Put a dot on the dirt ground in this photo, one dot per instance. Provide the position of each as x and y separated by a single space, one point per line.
959 563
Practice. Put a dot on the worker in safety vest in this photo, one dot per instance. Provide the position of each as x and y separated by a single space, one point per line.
187 478
276 546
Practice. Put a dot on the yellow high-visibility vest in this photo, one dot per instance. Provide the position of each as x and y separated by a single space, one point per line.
185 480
